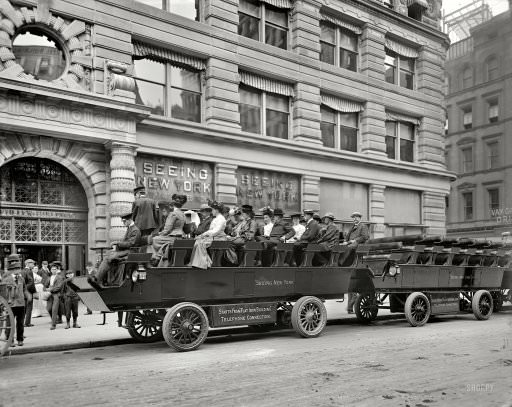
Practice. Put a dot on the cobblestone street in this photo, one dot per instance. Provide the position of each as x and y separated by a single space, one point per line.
451 361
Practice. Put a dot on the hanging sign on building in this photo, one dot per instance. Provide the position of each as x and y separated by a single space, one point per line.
43 214
267 188
164 176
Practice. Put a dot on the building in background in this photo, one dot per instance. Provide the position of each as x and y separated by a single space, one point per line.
332 106
478 141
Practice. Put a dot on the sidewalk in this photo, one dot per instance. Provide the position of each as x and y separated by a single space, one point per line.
39 338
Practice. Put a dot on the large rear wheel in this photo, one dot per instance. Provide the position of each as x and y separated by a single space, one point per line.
482 304
185 326
417 309
146 325
6 326
309 317
366 308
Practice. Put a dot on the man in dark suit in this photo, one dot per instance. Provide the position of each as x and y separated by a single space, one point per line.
31 288
310 235
120 250
144 212
279 233
358 234
205 213
327 238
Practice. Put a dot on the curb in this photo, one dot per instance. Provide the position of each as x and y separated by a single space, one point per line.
18 350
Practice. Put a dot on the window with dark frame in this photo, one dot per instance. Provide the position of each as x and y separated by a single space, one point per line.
400 140
168 90
399 70
339 130
185 8
467 160
467 78
263 22
467 201
494 199
467 117
491 68
493 155
493 110
257 107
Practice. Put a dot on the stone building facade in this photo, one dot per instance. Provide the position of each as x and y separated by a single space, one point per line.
478 145
336 106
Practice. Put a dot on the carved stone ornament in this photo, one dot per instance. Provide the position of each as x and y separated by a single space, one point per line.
73 34
117 83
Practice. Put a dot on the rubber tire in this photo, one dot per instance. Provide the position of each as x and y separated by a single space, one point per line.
475 305
171 314
8 324
157 337
296 310
408 309
357 309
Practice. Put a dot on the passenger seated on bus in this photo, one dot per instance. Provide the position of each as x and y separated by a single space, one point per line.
280 231
327 238
297 227
310 235
358 234
120 250
244 232
173 228
205 214
200 257
191 223
233 220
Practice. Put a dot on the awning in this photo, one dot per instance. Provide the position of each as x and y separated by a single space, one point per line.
341 23
401 49
342 105
266 84
279 3
399 117
141 50
421 3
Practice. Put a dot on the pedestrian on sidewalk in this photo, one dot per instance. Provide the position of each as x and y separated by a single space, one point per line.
57 281
31 288
16 294
90 271
71 301
38 308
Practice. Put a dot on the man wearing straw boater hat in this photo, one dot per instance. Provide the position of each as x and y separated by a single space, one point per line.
16 294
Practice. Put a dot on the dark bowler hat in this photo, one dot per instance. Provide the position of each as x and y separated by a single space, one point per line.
309 212
139 188
56 264
246 208
278 212
126 216
317 217
205 208
216 205
295 215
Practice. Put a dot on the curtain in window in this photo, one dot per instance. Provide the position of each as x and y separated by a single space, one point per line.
141 50
398 117
401 49
279 3
342 105
266 84
342 23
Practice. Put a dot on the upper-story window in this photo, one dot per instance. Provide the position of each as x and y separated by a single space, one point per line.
388 3
467 205
400 64
265 106
467 78
493 199
168 90
400 140
467 159
339 43
416 9
493 154
491 69
263 22
185 8
493 110
467 117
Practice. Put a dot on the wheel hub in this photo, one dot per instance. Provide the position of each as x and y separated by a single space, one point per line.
310 316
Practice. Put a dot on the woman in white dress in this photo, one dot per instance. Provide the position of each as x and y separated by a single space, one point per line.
200 257
38 308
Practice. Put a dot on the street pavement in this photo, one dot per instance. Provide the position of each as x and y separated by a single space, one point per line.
451 361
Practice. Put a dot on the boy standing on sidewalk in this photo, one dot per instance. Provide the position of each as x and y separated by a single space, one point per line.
71 301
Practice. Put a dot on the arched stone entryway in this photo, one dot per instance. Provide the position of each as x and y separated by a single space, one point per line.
85 161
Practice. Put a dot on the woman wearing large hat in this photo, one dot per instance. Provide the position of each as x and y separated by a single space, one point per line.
173 228
200 257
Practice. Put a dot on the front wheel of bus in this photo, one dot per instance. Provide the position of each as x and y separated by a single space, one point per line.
185 326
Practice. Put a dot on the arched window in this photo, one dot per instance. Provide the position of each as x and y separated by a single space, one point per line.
467 78
491 68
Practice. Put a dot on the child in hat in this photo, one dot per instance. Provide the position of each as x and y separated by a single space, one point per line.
71 300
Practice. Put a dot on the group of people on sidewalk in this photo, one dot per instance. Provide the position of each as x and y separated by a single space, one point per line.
32 290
